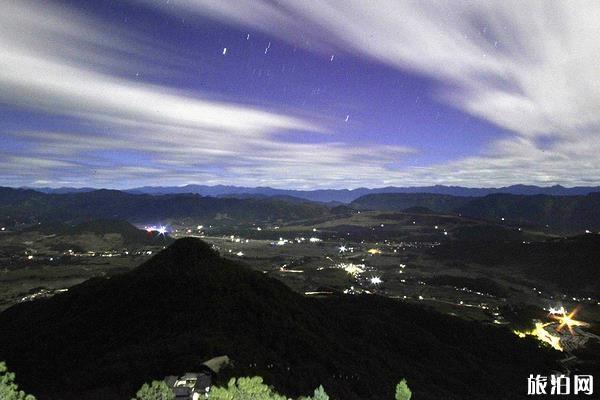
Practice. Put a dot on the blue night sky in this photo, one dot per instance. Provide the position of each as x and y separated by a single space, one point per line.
289 94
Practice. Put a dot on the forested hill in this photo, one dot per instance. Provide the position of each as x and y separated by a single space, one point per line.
128 233
569 263
104 338
439 203
564 213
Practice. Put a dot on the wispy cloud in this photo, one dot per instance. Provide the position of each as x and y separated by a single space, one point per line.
62 63
39 74
204 160
527 66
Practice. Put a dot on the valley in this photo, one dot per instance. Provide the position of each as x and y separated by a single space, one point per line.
494 274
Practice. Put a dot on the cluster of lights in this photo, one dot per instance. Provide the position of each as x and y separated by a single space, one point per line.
563 318
557 310
352 269
161 230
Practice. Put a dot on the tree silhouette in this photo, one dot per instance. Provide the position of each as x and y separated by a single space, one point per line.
9 390
157 390
245 388
319 394
402 391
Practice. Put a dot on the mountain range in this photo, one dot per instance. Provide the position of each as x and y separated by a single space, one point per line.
558 214
21 204
344 195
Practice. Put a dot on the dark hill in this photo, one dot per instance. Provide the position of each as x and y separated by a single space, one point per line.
561 213
130 235
570 263
401 201
103 338
564 214
104 226
285 198
419 210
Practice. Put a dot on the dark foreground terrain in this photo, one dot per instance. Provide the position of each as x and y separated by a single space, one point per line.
104 338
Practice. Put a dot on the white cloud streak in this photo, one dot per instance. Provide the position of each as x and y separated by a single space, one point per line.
62 63
32 76
530 67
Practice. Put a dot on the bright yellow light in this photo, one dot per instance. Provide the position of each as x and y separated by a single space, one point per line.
568 321
374 251
541 334
551 332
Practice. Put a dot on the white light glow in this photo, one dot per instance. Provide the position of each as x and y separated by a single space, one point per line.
376 280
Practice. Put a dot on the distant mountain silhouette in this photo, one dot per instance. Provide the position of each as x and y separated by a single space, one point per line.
562 214
347 195
103 338
64 189
113 204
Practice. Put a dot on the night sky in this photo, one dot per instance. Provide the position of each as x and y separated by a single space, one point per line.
299 94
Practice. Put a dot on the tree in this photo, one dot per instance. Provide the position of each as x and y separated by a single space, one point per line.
318 395
157 390
9 390
245 389
402 391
